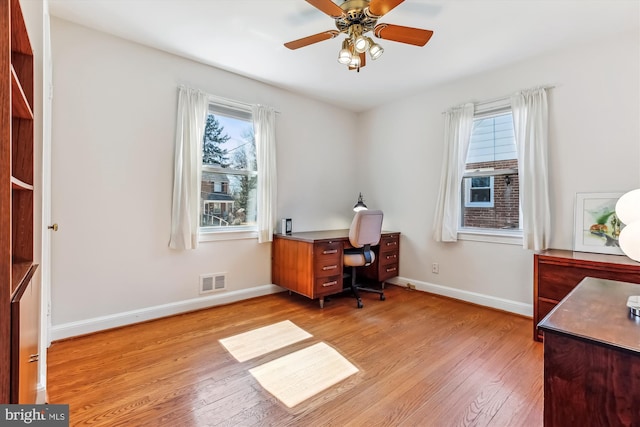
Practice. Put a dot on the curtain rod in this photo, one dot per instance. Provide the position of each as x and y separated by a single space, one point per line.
229 102
501 98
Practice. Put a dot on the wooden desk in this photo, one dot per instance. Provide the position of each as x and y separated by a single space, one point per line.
310 263
592 357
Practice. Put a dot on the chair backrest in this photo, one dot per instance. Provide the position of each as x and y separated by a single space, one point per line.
366 228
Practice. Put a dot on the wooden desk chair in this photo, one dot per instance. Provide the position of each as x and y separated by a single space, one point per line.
364 232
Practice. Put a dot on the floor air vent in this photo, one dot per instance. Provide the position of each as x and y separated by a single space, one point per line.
212 282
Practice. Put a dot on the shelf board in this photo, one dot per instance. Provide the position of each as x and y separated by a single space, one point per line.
19 35
16 184
19 272
19 105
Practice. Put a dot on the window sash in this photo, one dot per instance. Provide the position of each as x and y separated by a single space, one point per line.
496 146
228 171
492 172
469 188
226 108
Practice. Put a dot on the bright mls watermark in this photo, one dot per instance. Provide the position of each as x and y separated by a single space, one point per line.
34 415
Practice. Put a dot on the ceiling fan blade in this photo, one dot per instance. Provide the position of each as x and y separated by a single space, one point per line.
398 33
306 41
378 8
328 7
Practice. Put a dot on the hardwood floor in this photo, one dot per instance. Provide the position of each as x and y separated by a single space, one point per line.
424 360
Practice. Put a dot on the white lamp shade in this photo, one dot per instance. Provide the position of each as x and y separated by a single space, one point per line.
375 51
344 57
629 240
360 44
628 207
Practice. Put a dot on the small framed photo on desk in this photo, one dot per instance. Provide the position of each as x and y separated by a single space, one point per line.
286 226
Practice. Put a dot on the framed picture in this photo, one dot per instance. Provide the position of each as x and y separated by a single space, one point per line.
596 225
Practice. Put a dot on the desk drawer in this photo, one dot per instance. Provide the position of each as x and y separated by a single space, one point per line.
327 267
389 242
328 285
326 252
327 259
387 258
387 271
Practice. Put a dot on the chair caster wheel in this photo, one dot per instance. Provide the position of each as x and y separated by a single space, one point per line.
359 304
382 297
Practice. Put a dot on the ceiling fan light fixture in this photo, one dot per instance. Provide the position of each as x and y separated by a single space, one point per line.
360 44
344 56
355 19
375 50
355 61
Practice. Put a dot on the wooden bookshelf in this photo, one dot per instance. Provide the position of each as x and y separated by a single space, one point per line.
19 299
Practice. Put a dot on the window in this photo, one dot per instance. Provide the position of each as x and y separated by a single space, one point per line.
229 171
490 188
479 192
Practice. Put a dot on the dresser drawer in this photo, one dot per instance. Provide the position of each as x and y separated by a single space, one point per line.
544 308
556 281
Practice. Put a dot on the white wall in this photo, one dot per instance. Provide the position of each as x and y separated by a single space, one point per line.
594 147
114 110
113 127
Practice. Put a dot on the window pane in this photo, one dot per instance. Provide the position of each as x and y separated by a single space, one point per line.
481 195
504 210
491 202
484 181
229 175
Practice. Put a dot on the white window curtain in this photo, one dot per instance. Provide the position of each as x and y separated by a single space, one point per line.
530 123
264 131
190 124
457 133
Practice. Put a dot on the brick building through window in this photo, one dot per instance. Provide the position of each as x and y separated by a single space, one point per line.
490 197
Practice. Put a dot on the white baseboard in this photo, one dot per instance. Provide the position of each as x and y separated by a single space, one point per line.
72 329
82 327
473 297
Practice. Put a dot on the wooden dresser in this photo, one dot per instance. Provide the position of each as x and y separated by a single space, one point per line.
556 272
592 357
310 263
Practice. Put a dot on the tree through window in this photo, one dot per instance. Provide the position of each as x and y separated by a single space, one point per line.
229 170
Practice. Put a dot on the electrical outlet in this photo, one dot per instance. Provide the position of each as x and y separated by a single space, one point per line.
411 286
435 268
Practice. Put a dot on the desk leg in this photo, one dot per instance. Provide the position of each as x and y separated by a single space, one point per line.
321 302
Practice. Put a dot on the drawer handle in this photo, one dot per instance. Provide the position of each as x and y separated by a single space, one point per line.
329 267
391 269
34 358
392 256
392 243
335 282
333 251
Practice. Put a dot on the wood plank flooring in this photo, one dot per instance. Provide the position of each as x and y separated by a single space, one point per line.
424 360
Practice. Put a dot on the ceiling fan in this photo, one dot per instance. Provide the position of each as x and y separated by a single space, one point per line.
356 18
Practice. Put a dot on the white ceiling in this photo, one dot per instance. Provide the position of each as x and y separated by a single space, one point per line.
247 37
